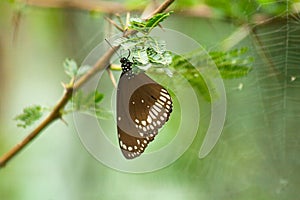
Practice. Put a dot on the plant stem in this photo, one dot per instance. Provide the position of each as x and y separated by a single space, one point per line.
55 114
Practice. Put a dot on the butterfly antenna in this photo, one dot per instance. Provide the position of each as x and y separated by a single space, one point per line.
128 53
112 47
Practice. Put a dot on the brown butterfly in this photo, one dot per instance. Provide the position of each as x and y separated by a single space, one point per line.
143 106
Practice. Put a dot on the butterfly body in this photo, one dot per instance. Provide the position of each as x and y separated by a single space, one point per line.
143 106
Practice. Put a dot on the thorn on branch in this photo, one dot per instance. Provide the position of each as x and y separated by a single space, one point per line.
64 121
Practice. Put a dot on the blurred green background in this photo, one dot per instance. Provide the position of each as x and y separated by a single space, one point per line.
257 156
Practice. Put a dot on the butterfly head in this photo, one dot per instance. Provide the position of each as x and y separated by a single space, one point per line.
125 64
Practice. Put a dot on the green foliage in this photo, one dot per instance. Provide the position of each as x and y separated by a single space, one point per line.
89 104
29 116
182 66
72 70
79 102
146 51
145 26
244 11
70 67
232 64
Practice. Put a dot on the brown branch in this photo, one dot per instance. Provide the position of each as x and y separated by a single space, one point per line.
101 6
55 114
110 7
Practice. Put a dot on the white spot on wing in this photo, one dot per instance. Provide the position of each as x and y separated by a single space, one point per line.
159 101
163 98
149 119
158 104
154 112
163 90
165 95
156 108
152 115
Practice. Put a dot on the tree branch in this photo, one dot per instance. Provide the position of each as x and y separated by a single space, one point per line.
101 6
110 7
55 114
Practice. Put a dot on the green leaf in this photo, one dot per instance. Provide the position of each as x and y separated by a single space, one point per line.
138 26
29 116
232 64
70 67
187 70
156 19
98 97
147 25
142 57
146 51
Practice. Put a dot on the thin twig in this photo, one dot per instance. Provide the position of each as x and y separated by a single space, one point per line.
56 113
112 78
120 21
114 24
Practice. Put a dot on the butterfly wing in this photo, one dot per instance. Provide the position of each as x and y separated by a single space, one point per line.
143 106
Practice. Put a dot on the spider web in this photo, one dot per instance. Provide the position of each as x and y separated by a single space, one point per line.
259 150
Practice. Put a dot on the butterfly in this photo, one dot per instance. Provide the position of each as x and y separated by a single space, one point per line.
143 107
